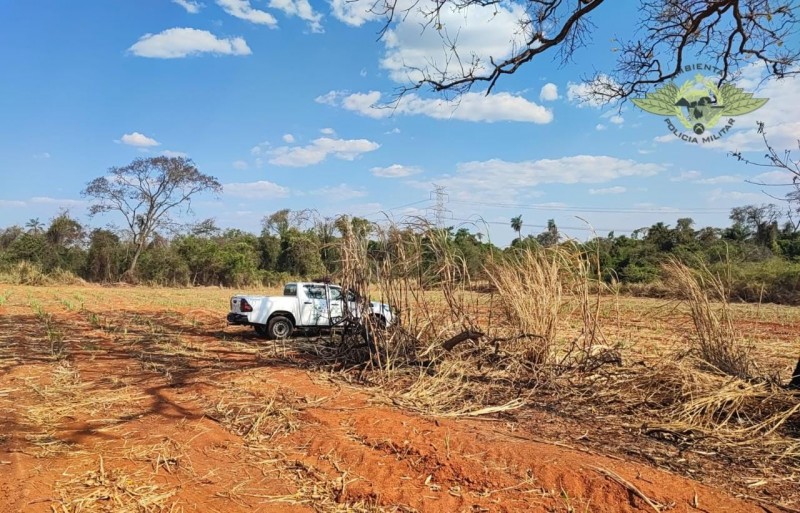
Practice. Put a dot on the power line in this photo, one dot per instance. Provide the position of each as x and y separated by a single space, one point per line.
598 210
405 205
544 226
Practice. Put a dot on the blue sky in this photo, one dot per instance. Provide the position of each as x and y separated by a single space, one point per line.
277 99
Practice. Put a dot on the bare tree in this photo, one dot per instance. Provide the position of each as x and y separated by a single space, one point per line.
146 192
784 163
668 35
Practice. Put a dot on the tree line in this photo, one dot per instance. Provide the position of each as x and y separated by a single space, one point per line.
759 251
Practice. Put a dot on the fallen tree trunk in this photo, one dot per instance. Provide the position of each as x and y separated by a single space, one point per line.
452 342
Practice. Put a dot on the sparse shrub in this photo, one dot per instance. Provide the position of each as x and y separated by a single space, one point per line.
715 338
529 291
24 273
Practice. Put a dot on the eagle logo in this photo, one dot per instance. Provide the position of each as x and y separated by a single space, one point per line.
699 103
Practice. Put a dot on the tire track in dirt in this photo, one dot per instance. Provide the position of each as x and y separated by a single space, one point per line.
394 458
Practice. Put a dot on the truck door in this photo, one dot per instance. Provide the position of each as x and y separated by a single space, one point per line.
314 306
336 302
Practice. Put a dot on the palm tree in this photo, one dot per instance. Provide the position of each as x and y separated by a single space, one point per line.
516 225
34 225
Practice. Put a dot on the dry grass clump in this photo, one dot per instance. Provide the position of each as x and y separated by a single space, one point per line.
715 339
455 350
417 272
168 455
111 491
68 396
529 299
27 273
257 417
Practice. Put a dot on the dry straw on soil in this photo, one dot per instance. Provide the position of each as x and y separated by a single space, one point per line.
112 490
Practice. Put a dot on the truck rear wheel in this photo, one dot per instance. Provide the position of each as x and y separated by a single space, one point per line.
279 327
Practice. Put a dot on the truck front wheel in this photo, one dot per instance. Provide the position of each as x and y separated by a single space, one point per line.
279 327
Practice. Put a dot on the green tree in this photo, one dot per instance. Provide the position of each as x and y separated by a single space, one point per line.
550 236
146 192
105 259
516 225
34 226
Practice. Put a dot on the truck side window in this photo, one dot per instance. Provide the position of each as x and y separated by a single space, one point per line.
314 291
336 293
290 289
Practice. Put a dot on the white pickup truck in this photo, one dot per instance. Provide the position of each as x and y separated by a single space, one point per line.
306 306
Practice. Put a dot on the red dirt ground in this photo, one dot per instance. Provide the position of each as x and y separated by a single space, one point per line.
147 410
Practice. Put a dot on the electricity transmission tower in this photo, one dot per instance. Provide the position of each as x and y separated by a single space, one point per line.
439 210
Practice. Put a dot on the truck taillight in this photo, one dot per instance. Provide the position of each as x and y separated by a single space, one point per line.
244 306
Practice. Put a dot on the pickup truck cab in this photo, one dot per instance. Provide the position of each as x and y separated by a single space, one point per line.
303 305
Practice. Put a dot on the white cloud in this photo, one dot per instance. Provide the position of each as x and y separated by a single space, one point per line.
584 94
686 176
501 180
256 190
11 203
319 150
341 192
616 119
715 180
45 200
718 195
469 107
393 131
600 127
170 153
244 11
288 138
353 12
138 140
191 6
42 156
176 43
482 33
302 9
260 148
328 131
549 92
666 138
395 171
240 165
776 177
608 190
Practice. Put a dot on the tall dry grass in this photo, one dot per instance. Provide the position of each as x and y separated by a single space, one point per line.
485 349
715 339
